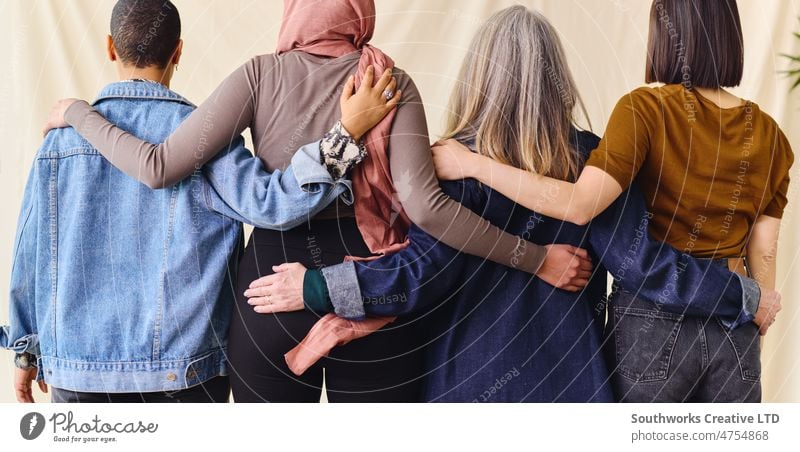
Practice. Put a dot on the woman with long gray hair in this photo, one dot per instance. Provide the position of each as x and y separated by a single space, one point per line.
494 334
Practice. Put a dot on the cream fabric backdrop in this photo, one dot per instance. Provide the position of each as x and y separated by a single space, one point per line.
54 48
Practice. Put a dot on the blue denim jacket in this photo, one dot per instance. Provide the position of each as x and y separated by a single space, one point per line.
119 288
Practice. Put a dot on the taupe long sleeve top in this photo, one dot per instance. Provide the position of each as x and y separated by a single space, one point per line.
288 101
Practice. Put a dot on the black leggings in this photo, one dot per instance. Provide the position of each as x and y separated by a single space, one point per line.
383 367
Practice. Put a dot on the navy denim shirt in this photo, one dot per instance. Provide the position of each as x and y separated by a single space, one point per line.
497 334
119 288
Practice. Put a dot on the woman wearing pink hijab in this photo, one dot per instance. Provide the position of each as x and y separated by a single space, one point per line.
287 99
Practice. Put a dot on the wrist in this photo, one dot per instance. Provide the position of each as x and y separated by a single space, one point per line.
25 361
351 130
340 152
472 164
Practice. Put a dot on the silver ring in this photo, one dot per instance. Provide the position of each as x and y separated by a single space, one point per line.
388 94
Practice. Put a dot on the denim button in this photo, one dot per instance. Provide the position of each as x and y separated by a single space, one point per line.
171 376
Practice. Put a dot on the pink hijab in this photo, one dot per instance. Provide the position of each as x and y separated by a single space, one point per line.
334 28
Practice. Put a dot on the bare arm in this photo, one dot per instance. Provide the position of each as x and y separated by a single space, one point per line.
577 202
762 250
611 168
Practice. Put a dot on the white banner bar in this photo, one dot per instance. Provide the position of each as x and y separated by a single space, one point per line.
399 427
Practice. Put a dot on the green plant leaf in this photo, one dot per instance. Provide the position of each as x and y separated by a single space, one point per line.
794 72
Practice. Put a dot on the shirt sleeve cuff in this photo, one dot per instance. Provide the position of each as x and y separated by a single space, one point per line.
340 153
528 257
342 282
315 293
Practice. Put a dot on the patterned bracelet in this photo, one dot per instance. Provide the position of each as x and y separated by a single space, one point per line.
340 152
25 361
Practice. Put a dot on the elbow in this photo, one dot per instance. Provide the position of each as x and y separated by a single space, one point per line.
157 183
423 218
581 210
579 217
154 185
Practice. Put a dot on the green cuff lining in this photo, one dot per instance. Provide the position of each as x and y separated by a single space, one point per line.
315 293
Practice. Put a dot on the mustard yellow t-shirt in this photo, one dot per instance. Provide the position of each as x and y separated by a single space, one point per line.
706 172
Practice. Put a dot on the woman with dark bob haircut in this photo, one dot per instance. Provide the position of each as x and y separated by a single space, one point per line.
715 172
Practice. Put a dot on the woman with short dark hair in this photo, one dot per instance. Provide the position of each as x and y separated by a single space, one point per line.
715 172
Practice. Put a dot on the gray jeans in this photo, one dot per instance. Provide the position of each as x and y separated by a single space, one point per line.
658 356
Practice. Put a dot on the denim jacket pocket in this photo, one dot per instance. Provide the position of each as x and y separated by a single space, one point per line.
644 340
746 343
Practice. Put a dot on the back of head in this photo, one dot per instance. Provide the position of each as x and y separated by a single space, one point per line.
695 43
515 96
145 32
317 26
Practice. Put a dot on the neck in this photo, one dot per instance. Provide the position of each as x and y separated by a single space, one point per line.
720 97
153 74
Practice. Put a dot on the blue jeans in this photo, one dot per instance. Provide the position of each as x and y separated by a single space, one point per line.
658 356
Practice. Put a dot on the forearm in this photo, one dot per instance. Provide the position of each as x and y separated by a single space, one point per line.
763 268
762 250
577 203
659 273
761 264
241 188
21 336
407 282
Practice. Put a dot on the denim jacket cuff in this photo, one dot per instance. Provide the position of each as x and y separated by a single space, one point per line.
342 282
25 344
311 173
308 167
751 296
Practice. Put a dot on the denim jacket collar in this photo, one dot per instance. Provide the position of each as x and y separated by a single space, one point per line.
134 89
